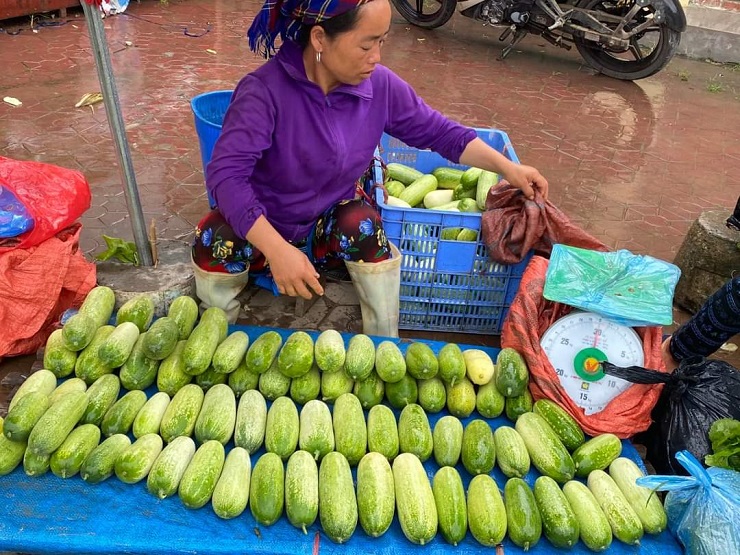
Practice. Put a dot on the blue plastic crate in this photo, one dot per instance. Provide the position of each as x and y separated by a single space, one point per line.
446 285
208 111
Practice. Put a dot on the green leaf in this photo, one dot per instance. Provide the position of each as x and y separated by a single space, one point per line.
119 249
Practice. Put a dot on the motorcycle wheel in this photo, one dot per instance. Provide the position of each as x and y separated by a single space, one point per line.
427 14
633 63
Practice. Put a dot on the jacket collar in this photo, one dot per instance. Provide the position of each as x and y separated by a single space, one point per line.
290 57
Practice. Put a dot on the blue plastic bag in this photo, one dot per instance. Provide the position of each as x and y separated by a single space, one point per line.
634 290
14 218
703 508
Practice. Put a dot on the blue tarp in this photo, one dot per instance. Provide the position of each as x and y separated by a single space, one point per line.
47 514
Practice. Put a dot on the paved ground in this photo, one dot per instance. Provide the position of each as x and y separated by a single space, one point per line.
632 163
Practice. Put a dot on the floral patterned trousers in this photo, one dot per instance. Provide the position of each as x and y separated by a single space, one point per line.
349 230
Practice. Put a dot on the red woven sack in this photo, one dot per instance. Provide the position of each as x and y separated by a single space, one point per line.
531 315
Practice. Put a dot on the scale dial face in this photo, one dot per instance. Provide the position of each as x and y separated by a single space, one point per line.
577 344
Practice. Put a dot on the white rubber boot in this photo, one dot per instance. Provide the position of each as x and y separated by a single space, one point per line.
220 289
378 285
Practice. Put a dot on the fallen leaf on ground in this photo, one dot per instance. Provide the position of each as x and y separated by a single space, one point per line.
88 99
12 101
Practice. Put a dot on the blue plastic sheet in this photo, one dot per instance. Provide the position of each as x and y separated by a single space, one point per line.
704 508
634 290
14 218
50 515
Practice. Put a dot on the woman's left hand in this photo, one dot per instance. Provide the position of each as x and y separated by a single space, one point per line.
525 178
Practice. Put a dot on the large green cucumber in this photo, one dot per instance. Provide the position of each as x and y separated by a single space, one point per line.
138 371
350 429
182 413
171 376
414 432
149 417
432 395
338 512
511 452
625 524
307 387
562 423
382 432
57 357
262 353
486 511
488 401
329 351
452 512
512 374
522 515
447 440
231 494
546 451
360 357
645 503
119 418
296 356
417 510
251 419
316 433
282 428
100 464
67 460
101 396
594 529
56 423
167 471
596 454
390 363
230 354
478 448
202 474
301 490
421 362
42 380
558 519
370 391
267 489
21 419
184 311
135 462
161 339
376 497
451 363
217 415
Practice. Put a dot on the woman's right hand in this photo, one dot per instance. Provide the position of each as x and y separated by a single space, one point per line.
293 273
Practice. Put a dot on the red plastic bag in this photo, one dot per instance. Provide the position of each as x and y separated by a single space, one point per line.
531 315
37 285
54 196
512 225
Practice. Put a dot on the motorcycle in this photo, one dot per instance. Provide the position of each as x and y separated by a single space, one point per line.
624 39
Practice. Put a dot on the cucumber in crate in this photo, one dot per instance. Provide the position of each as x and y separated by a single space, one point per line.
447 279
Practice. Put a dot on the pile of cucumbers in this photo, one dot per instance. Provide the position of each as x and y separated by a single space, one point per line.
100 423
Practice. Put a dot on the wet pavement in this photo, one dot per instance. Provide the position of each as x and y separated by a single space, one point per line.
632 163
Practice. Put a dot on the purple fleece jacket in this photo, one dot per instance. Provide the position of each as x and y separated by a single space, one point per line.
289 152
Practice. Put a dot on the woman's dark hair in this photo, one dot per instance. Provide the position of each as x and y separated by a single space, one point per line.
332 27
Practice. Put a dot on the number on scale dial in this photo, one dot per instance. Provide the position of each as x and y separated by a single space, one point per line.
577 344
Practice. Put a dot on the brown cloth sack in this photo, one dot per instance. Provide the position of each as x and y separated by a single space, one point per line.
512 225
37 284
530 315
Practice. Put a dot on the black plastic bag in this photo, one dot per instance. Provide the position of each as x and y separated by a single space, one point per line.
696 394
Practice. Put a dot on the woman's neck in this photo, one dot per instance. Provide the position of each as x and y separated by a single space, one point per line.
317 73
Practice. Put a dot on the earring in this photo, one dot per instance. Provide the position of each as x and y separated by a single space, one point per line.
318 57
